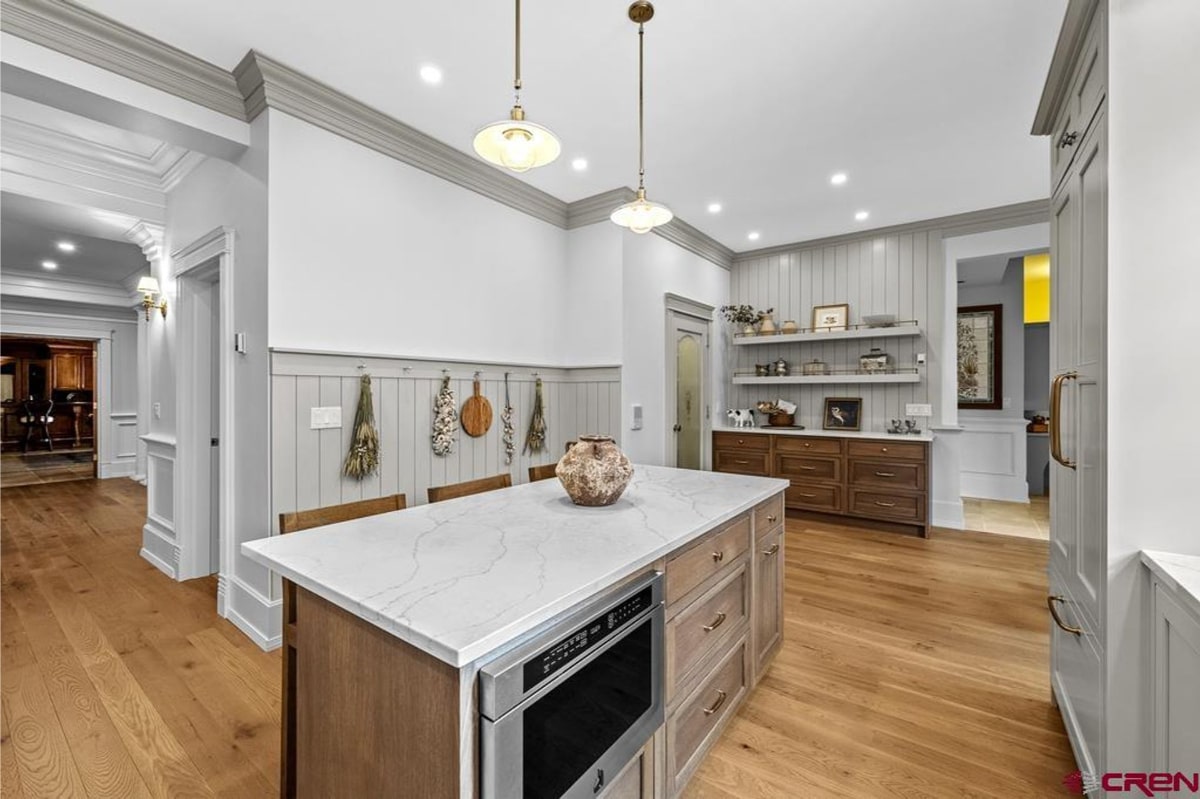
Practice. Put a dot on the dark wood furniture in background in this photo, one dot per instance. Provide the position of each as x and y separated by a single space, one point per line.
48 369
546 471
883 482
291 523
465 489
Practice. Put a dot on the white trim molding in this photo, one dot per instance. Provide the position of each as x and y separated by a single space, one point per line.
992 453
79 292
159 544
258 616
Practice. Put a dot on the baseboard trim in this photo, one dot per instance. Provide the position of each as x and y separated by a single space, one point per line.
108 471
260 618
949 515
157 562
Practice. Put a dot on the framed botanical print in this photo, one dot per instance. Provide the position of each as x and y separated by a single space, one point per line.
842 413
980 357
826 318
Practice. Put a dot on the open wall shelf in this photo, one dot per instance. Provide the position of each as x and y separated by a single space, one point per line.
888 377
899 330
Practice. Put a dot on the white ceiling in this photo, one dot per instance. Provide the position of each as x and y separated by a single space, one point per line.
926 104
32 228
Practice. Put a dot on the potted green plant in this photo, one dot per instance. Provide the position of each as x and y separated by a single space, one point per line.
744 317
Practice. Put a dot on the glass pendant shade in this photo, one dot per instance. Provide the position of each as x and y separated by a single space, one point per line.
516 144
642 215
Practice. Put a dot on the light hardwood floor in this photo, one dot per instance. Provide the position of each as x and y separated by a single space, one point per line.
911 668
1025 519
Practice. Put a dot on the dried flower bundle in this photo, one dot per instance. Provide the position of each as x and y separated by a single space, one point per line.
445 419
363 458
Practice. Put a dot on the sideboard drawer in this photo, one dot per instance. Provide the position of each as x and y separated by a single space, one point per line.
909 476
697 631
886 505
704 559
768 515
815 497
755 441
906 450
810 446
694 726
804 467
748 462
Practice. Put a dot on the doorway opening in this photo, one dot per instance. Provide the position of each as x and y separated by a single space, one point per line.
688 402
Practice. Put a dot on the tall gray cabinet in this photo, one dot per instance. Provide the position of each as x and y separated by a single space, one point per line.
1076 96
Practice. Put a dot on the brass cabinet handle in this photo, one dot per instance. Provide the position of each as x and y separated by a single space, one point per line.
810 496
807 445
883 449
743 463
717 622
808 468
718 556
1050 600
741 441
772 519
1056 418
708 711
885 474
885 504
771 550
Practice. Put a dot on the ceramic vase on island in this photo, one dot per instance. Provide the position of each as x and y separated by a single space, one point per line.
595 472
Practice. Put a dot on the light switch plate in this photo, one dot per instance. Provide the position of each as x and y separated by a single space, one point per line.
325 418
158 410
920 358
637 416
918 409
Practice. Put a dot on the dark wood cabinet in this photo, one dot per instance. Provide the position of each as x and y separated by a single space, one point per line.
63 371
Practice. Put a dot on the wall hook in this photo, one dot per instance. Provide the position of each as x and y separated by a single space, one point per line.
477 373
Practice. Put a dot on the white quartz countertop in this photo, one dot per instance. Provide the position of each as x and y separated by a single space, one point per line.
464 578
1180 572
869 435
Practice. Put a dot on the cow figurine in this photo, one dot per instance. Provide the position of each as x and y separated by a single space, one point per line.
741 417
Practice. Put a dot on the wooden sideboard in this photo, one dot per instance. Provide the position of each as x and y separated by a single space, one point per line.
881 481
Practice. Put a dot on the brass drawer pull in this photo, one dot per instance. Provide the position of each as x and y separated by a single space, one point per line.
807 445
770 551
741 441
743 463
708 711
885 474
718 556
808 468
808 496
717 622
772 519
885 504
1050 600
883 449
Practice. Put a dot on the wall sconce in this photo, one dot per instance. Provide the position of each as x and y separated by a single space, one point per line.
149 287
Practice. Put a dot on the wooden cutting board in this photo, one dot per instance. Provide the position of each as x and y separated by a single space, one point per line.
476 414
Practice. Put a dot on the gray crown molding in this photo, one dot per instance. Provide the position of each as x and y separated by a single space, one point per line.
1058 78
1015 215
81 33
39 287
597 208
266 83
689 238
150 238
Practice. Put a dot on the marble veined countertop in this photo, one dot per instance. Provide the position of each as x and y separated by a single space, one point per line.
870 435
1180 572
464 578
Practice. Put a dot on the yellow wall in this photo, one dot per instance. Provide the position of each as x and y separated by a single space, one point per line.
1037 288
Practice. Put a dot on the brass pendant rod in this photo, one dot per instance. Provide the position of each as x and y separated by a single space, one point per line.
641 106
517 56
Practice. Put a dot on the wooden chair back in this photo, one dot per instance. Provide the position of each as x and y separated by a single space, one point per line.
544 472
456 490
304 519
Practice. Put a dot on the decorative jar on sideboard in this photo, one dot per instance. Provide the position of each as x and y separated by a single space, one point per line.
595 472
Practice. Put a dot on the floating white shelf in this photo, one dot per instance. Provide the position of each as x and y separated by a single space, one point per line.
899 331
902 377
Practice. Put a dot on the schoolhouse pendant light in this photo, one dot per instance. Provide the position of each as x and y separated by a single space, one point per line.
516 143
641 215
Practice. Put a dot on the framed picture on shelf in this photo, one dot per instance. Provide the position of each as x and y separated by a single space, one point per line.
827 318
980 357
842 413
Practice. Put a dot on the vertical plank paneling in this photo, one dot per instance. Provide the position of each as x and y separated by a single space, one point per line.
308 446
386 410
283 443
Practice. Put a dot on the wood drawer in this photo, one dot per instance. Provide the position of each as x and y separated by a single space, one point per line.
811 446
905 450
693 728
909 476
702 560
742 462
805 467
825 498
741 441
768 515
705 625
886 505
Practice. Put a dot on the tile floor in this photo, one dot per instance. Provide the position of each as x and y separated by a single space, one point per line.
1009 518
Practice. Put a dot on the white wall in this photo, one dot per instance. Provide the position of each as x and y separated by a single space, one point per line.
654 267
1154 169
371 255
595 280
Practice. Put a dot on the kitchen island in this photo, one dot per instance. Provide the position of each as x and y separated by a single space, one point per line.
396 614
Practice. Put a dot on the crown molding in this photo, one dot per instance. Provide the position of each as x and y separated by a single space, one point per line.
597 208
1004 216
150 238
1058 77
266 83
63 289
81 33
689 238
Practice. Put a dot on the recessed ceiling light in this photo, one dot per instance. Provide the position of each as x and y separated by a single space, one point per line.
579 164
861 215
66 246
714 208
752 235
49 265
838 178
431 74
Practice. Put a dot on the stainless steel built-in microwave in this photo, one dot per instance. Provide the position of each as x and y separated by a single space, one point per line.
563 714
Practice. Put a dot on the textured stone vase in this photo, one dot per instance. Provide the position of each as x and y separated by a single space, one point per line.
595 472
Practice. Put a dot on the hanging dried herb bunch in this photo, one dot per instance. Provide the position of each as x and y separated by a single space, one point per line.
506 419
363 458
445 419
535 439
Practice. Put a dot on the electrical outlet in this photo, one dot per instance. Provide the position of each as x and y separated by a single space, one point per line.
158 410
918 409
637 417
325 418
920 358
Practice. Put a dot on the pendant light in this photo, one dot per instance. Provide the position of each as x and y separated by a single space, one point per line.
641 215
516 143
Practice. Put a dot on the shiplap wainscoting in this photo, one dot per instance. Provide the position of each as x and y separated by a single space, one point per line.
876 275
306 464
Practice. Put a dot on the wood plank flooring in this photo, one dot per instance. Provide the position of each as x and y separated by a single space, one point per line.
910 668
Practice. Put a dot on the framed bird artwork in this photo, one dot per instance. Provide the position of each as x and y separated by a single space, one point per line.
842 413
